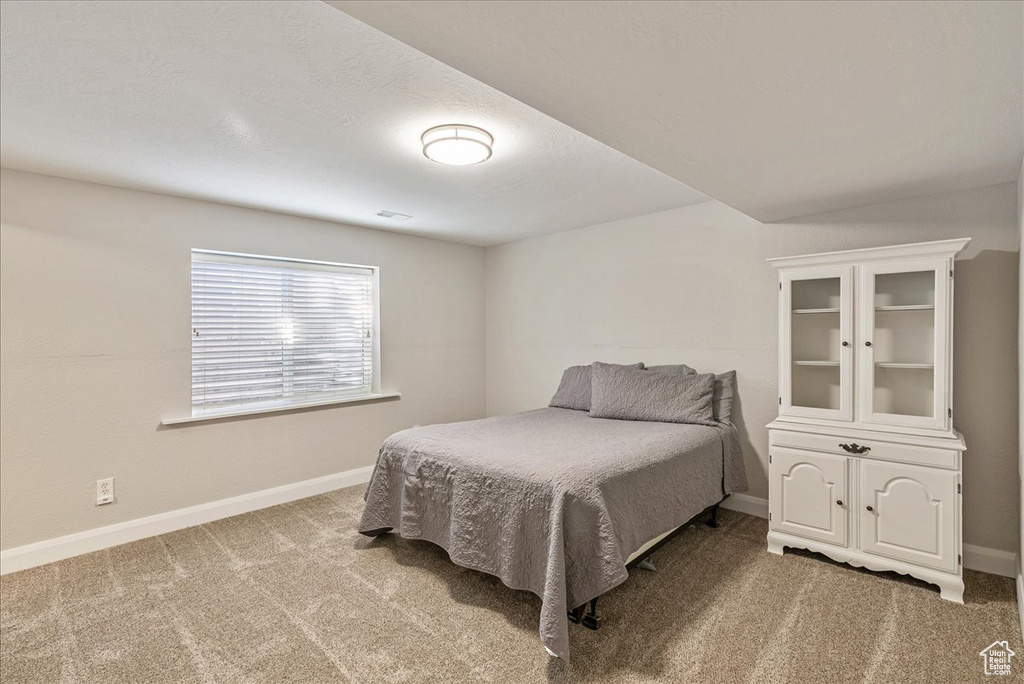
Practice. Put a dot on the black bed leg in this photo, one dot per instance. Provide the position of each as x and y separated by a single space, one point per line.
591 620
586 615
713 518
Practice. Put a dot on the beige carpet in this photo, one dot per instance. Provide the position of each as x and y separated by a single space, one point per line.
293 594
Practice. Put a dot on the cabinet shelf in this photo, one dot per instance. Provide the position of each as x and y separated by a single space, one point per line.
907 307
915 366
825 364
815 311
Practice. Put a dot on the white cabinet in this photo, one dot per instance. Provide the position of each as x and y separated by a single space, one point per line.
865 462
815 340
903 314
809 495
909 513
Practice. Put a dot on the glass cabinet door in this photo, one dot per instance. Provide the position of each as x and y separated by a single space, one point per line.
816 325
903 346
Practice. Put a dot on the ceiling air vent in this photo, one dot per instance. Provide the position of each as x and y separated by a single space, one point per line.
393 215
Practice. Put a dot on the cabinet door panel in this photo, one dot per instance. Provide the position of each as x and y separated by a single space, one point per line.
912 514
808 495
815 347
903 343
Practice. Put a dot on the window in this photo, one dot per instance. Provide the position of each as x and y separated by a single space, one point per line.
271 332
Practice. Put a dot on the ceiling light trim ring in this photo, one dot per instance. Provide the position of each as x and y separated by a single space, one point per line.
457 144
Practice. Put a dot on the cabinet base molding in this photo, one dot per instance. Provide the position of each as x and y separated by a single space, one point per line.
951 587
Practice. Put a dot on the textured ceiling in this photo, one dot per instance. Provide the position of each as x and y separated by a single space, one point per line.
293 107
777 109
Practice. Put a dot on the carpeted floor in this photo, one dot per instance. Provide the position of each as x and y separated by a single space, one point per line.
293 594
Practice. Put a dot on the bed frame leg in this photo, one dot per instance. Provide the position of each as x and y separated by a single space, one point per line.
586 615
591 620
646 564
713 518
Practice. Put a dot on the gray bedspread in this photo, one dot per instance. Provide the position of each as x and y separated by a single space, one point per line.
551 501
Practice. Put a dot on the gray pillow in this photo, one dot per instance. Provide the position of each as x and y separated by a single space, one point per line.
574 390
628 394
721 401
681 369
725 388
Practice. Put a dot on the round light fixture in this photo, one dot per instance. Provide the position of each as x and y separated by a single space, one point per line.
457 144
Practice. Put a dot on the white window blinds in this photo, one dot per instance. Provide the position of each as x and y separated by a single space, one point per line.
270 332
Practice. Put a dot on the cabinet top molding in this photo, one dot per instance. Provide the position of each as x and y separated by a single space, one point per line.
937 248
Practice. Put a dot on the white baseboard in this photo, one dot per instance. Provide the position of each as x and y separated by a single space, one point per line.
744 503
1020 596
40 553
992 561
981 558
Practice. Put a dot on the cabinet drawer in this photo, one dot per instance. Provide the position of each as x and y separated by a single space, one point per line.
885 451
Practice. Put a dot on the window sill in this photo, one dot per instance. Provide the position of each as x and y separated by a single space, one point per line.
244 413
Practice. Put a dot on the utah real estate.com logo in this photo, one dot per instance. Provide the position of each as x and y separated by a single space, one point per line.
997 658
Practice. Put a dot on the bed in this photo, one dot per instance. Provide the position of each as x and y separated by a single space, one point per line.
552 501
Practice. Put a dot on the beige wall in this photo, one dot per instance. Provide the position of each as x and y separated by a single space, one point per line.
691 285
94 352
1020 392
94 346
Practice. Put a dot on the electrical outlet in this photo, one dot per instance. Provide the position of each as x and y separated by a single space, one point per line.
105 491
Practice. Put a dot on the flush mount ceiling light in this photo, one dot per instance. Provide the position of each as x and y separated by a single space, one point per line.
457 144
